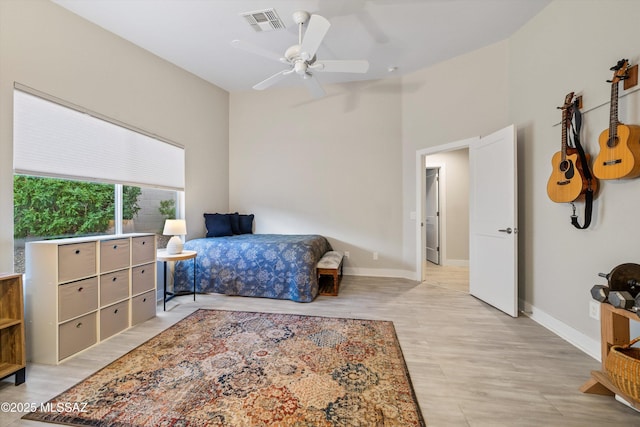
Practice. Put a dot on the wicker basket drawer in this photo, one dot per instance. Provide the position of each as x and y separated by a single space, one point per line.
142 278
76 335
114 254
114 287
77 298
76 261
143 307
143 249
114 319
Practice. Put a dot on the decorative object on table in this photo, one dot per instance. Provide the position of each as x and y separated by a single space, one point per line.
619 155
623 368
245 369
622 289
175 228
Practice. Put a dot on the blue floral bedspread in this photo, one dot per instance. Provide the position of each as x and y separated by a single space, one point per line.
280 266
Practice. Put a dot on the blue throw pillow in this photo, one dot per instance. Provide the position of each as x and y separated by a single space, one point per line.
234 218
246 224
218 225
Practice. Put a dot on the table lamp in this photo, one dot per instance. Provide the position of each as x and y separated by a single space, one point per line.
175 228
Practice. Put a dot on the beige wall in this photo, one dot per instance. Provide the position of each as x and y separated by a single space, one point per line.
458 99
570 46
330 166
54 51
344 166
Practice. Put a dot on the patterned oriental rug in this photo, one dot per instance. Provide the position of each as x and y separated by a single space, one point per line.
229 368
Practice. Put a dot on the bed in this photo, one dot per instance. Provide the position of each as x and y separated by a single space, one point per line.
280 266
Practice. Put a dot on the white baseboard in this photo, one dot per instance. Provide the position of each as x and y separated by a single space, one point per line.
564 331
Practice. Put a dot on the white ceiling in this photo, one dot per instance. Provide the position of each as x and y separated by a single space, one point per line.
408 34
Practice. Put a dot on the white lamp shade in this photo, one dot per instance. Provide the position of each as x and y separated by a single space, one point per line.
175 227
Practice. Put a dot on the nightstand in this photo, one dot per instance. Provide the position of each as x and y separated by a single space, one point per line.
162 255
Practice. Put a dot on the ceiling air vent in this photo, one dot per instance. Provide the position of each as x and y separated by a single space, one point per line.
264 20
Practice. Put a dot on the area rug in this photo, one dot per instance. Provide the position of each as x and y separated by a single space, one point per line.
229 368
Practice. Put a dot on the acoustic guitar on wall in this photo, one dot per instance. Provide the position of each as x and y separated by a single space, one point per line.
568 181
619 155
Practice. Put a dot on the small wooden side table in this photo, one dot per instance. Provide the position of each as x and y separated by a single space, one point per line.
614 330
162 255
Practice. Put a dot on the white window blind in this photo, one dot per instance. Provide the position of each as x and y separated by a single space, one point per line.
50 139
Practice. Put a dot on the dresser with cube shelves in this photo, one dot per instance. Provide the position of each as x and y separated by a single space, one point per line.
81 291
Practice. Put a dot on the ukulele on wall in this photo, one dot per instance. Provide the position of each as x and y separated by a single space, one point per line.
568 181
619 155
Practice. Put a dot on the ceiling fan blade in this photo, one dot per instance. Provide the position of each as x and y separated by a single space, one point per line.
248 47
272 80
341 66
313 86
317 29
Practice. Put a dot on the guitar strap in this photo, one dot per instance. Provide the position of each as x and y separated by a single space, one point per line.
576 124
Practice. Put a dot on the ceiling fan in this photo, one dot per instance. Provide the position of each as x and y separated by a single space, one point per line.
301 57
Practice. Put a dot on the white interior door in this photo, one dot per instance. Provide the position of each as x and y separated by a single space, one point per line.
432 217
493 239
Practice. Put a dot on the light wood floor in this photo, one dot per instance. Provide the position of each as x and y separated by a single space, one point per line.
470 364
450 277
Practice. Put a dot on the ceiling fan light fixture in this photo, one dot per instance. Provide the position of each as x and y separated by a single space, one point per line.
300 67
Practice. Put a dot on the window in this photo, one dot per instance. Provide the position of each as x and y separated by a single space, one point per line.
76 174
52 208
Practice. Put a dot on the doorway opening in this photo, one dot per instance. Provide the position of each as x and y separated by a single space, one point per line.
446 214
450 227
493 209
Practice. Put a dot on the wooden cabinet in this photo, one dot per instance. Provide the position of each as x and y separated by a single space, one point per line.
12 342
81 291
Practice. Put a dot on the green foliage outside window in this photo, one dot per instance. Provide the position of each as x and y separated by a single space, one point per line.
54 207
167 208
130 205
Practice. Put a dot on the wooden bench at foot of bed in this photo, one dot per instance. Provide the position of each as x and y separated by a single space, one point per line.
330 265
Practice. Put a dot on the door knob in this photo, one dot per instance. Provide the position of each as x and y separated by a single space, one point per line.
507 230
